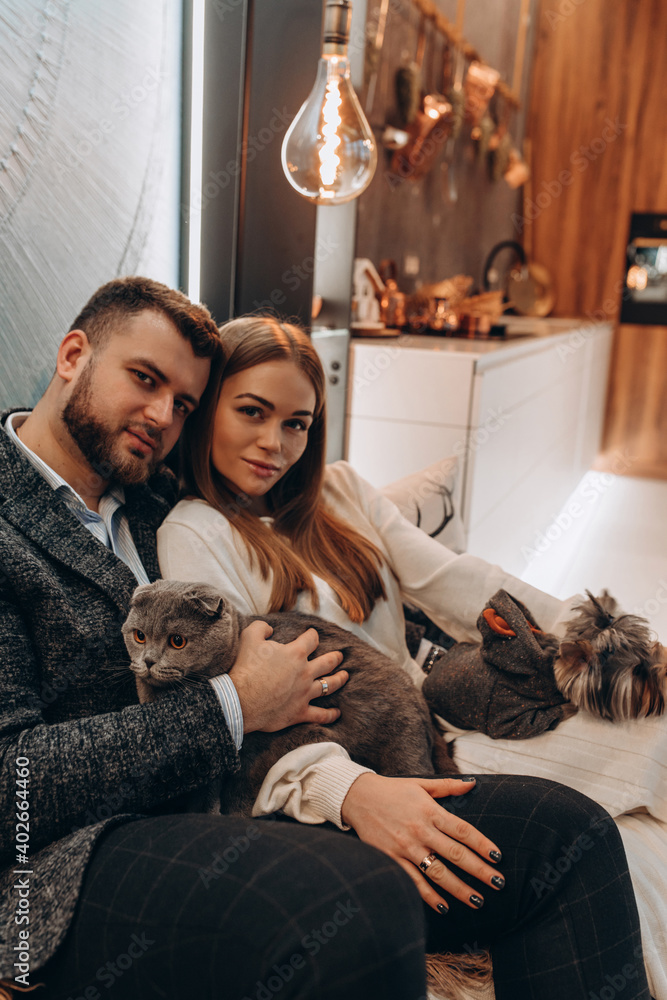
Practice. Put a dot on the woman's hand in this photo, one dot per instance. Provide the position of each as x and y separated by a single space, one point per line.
401 818
276 681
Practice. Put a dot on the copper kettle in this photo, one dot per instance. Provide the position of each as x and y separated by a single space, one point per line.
527 285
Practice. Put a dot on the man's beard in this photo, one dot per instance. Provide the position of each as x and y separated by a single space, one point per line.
97 441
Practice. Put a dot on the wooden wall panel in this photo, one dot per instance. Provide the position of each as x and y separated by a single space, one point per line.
598 129
636 427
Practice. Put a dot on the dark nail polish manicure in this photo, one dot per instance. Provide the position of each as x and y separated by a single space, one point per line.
466 778
477 901
495 855
498 881
443 908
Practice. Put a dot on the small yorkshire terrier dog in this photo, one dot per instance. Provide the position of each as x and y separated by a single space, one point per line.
608 663
520 681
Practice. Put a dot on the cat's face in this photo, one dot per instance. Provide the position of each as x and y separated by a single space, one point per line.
175 631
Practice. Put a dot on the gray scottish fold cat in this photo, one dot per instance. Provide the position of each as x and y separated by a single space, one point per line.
182 633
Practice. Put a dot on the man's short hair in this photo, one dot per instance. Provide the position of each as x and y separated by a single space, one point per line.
128 296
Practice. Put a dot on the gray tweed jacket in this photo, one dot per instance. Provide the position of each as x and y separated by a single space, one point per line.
97 758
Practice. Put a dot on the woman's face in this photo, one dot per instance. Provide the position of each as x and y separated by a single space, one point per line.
261 427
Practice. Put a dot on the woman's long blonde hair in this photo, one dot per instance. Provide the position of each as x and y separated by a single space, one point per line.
307 538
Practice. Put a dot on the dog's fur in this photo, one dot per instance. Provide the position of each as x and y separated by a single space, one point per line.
521 681
609 664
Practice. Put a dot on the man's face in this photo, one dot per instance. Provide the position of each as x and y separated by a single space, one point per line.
127 406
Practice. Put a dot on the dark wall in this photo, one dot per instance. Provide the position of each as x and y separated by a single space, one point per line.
257 232
417 217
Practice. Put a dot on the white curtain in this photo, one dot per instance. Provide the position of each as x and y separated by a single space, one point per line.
89 165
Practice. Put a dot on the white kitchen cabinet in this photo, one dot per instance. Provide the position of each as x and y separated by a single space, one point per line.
524 415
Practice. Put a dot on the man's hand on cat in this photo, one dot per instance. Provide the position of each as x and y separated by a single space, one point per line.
400 817
276 682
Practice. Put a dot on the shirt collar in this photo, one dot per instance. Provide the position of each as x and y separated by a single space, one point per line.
57 483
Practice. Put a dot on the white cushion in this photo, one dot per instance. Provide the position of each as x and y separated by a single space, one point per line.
621 765
427 498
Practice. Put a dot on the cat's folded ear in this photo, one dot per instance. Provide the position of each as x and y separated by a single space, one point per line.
207 601
143 588
211 608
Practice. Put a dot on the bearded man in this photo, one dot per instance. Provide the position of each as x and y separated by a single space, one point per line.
104 884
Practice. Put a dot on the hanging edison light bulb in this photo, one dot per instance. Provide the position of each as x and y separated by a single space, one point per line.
328 153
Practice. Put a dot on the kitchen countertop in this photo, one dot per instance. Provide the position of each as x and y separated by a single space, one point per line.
524 335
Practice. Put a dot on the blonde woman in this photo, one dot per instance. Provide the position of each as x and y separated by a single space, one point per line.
267 523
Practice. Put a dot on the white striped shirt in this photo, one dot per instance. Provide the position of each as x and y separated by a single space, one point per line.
110 527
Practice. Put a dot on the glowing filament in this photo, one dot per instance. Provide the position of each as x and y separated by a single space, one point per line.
329 159
637 278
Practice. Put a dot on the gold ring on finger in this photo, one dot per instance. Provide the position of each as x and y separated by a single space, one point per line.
325 686
427 862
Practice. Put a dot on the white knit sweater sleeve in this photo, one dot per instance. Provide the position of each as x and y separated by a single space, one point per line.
310 784
451 589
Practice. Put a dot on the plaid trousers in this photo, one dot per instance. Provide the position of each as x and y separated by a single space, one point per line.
202 906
